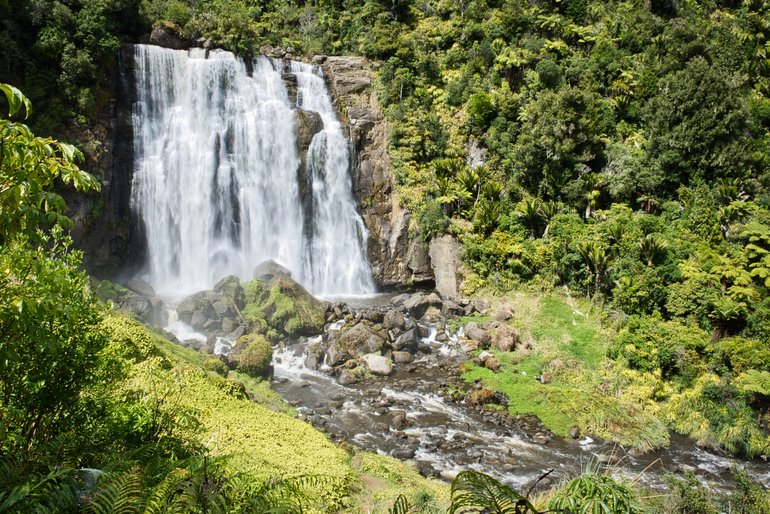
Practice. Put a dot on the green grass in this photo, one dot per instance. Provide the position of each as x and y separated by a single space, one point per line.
585 390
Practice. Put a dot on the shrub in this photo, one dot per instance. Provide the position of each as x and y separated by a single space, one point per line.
595 494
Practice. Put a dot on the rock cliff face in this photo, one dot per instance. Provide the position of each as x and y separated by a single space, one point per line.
103 226
396 257
104 229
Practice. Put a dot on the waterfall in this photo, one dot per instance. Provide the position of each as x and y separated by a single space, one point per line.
215 182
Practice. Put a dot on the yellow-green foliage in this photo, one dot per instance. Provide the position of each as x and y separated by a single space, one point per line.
257 441
253 354
384 478
128 337
714 412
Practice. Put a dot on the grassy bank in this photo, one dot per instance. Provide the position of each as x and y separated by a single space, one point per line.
566 380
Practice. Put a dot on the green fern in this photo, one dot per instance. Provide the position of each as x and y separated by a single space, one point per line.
117 494
754 381
476 492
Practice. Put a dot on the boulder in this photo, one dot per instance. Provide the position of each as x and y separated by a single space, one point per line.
137 305
202 303
398 419
168 35
480 306
419 303
140 287
394 320
270 270
377 364
432 315
473 331
407 341
444 254
355 342
400 357
252 354
231 289
505 338
452 309
503 315
291 310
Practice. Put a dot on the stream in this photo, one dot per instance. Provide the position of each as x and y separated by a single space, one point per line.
411 416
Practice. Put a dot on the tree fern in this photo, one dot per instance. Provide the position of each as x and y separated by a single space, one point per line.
754 381
476 492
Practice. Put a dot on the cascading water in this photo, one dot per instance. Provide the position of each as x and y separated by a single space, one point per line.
215 177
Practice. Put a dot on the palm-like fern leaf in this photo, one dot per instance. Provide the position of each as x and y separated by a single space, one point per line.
475 492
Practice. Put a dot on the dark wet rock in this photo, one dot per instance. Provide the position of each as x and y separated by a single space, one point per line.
314 356
400 357
394 320
419 303
398 420
407 341
403 453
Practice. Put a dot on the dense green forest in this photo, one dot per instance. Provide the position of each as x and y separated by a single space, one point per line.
618 150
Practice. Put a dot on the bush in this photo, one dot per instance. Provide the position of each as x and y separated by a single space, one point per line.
651 344
252 355
595 494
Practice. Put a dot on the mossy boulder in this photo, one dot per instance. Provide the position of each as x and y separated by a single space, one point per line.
252 355
284 306
216 365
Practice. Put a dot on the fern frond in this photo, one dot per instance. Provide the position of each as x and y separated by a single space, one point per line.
471 489
117 494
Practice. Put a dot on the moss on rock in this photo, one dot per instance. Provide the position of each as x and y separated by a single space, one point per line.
283 306
252 355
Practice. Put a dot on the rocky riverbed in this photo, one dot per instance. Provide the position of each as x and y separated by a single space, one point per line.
383 373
